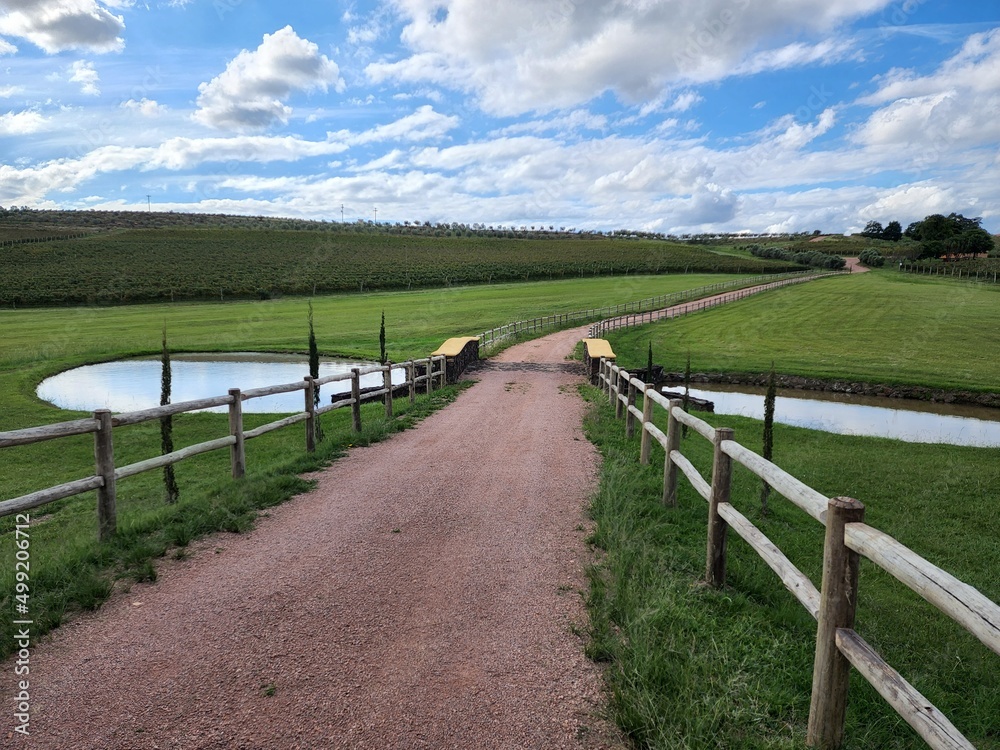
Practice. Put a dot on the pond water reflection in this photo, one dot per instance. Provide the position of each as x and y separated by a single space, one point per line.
846 414
132 384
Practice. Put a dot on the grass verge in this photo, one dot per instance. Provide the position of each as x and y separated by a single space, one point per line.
694 667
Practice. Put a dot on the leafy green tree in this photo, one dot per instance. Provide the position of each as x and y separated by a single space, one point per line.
873 229
893 231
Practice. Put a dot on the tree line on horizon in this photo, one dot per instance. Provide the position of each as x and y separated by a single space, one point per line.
937 235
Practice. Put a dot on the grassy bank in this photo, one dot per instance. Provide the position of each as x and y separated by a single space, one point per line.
879 327
692 667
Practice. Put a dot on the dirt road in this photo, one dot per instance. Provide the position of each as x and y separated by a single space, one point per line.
424 595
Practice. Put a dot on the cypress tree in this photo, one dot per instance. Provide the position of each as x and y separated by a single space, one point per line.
167 423
381 341
314 370
768 450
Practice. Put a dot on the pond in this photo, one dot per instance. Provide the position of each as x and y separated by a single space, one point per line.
133 384
847 414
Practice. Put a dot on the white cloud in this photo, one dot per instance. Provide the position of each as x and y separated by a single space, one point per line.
250 93
934 116
57 25
84 73
6 48
579 119
540 55
8 91
685 101
145 107
424 124
797 54
22 123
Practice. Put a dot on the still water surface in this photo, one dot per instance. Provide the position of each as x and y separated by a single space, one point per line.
846 414
132 384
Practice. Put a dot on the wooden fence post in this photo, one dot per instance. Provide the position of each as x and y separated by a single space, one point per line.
387 384
430 376
611 382
722 475
837 606
645 440
618 390
356 399
310 395
444 371
673 444
411 375
629 416
237 451
104 460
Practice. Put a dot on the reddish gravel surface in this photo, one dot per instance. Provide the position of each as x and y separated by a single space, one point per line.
424 595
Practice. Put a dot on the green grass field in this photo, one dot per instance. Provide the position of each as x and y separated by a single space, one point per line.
879 327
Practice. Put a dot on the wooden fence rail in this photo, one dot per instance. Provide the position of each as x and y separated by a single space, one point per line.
102 424
502 333
643 317
832 604
955 271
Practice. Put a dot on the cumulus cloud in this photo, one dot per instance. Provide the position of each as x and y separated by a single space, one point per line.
84 73
953 108
539 55
6 48
250 93
22 123
57 25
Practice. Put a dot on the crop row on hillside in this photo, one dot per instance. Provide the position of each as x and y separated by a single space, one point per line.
149 265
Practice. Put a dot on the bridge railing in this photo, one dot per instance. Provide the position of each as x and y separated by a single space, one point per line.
102 423
838 645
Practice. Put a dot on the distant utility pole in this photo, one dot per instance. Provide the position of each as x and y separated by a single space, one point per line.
341 213
376 216
149 203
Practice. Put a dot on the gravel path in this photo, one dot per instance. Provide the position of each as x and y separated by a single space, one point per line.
424 595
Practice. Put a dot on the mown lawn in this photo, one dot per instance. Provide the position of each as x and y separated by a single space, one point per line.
879 327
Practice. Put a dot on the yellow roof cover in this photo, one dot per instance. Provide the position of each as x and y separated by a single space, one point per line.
453 347
597 348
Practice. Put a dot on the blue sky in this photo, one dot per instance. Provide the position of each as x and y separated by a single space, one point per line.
663 115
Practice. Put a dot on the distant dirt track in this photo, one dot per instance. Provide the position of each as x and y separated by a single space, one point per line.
424 595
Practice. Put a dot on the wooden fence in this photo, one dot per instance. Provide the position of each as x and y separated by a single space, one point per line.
502 333
103 422
953 270
598 330
838 646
